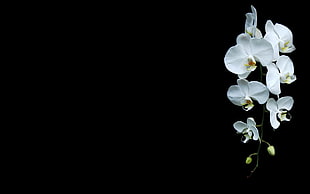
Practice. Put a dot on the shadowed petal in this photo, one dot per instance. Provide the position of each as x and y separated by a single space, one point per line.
285 103
262 50
273 79
272 105
240 126
235 59
273 120
258 91
235 95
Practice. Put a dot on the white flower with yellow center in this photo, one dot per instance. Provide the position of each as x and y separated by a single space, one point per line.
286 69
279 110
281 72
241 59
245 92
280 37
248 130
251 24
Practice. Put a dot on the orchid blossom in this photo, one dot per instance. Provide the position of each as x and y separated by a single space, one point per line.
248 130
251 24
281 72
279 110
280 37
241 59
245 92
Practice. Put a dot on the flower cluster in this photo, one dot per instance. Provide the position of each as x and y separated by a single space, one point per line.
255 51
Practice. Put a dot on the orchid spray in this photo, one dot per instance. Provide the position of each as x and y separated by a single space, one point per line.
255 51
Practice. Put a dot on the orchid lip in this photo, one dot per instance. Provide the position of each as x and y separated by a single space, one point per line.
251 65
288 78
284 115
247 104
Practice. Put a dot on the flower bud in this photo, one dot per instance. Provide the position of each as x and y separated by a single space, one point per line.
248 160
271 150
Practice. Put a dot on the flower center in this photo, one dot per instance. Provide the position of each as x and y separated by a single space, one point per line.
284 46
247 104
251 65
249 31
247 135
284 115
288 78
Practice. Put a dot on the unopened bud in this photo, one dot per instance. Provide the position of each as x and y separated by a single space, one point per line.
248 160
271 150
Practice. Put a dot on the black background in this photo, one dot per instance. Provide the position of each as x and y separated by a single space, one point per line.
189 128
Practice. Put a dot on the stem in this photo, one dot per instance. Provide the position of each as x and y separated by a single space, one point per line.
253 154
260 130
266 142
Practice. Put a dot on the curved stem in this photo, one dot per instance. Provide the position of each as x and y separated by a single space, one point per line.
266 142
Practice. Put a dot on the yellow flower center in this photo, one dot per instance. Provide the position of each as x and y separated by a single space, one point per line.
251 65
247 105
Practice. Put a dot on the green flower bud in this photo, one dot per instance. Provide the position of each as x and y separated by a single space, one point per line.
271 150
248 160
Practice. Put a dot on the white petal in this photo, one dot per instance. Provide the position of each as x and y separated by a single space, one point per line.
244 75
244 86
239 126
284 32
258 33
285 103
273 79
273 120
258 91
244 41
235 59
255 132
272 105
285 64
251 122
269 27
249 23
273 38
262 50
235 95
254 15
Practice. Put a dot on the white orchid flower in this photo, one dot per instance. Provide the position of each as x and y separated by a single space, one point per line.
248 130
251 24
286 69
279 110
280 37
281 72
241 59
245 92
